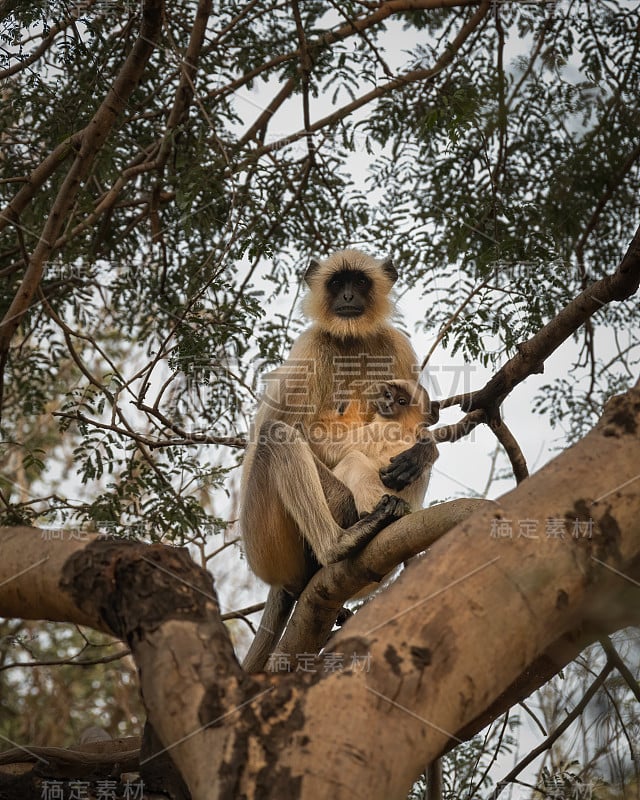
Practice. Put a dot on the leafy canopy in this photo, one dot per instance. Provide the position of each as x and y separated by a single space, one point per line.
502 149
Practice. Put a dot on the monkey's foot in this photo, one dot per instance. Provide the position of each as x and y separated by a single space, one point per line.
389 509
392 507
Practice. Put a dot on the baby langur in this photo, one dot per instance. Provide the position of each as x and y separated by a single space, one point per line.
402 411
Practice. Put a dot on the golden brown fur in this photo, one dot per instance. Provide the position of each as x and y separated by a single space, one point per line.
295 514
334 360
372 446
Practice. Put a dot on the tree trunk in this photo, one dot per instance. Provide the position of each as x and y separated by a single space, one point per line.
520 585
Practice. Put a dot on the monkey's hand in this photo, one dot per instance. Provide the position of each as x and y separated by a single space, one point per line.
408 466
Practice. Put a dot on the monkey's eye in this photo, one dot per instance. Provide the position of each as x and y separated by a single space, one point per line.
402 401
362 282
388 395
335 283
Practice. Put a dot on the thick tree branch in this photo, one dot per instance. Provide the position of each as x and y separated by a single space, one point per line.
32 563
92 139
80 760
425 638
556 585
318 606
188 68
620 285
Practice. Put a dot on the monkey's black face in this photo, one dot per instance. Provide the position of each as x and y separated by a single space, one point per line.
349 292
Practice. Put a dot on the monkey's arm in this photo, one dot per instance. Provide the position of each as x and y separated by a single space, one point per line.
331 453
408 466
342 436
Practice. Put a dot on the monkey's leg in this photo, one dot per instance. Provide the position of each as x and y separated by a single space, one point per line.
339 497
284 456
360 474
278 554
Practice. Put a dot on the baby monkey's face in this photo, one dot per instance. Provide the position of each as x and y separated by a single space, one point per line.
391 400
405 401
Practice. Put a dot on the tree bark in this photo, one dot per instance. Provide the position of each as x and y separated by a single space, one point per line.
428 659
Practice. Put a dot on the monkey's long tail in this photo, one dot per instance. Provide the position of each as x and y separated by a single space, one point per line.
275 616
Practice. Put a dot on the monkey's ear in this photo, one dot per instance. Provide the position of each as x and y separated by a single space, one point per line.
313 267
389 270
